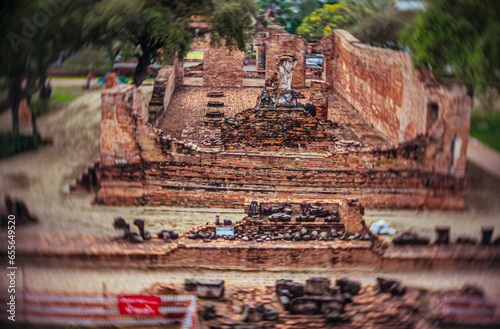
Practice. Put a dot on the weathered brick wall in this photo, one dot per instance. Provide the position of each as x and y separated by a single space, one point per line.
390 94
280 44
118 146
448 136
325 46
222 68
167 80
382 85
127 140
179 72
314 73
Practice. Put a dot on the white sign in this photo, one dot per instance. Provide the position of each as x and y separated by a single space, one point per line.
220 231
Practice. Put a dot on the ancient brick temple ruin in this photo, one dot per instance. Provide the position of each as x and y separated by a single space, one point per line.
380 132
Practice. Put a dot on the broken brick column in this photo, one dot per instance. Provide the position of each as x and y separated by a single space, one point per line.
352 212
278 45
319 97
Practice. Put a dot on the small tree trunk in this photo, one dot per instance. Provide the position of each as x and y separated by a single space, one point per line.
141 71
36 135
16 101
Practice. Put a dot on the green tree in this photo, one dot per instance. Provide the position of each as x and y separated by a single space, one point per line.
461 33
34 34
383 24
291 13
151 25
323 21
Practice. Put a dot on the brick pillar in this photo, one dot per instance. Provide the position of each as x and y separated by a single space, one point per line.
319 97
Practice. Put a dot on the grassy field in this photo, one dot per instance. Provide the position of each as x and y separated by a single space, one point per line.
63 94
486 127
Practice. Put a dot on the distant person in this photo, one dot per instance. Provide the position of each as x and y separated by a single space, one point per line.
90 77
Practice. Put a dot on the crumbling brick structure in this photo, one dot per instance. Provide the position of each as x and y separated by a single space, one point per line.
406 150
279 44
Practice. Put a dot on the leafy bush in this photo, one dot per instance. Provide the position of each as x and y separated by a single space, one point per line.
12 144
486 128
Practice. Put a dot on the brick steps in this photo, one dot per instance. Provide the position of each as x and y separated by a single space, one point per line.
88 181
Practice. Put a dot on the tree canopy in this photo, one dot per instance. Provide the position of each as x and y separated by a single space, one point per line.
291 13
151 25
34 34
461 33
323 21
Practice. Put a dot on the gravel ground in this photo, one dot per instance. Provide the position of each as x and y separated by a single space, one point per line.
132 281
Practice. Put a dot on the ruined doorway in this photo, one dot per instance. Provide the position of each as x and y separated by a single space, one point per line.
432 115
262 59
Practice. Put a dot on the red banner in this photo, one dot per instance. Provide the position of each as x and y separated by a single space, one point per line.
139 305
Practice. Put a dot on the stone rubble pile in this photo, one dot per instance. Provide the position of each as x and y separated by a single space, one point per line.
259 231
316 304
124 232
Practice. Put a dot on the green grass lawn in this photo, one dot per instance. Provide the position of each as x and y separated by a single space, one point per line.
63 94
68 78
486 128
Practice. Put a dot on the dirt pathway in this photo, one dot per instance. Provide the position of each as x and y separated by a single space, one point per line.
484 157
42 177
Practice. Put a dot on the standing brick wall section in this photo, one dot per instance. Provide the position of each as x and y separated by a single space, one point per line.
118 144
382 85
178 66
223 68
391 95
280 44
318 95
325 46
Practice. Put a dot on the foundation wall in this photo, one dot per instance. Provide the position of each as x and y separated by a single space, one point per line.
142 165
262 256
